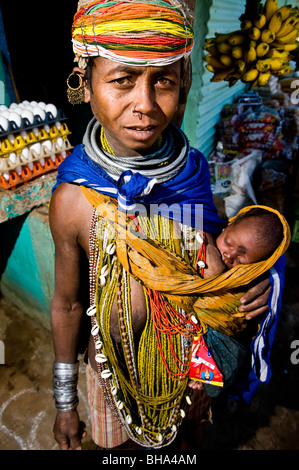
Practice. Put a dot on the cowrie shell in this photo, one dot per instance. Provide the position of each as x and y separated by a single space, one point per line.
138 430
110 249
128 419
159 437
98 344
102 281
120 405
192 235
194 319
188 400
94 330
91 311
201 264
182 413
100 358
199 238
104 270
114 391
174 428
105 374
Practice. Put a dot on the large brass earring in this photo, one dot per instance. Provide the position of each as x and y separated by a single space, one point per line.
75 95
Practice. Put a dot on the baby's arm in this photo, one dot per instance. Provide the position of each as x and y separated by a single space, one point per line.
214 263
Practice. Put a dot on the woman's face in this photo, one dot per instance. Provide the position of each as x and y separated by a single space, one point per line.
117 90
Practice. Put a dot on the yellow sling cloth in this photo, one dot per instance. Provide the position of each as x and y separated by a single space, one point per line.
214 301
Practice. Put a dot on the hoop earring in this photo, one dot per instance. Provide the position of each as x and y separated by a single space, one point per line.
75 95
138 113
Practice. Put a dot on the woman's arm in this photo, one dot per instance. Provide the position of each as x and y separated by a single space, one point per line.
66 307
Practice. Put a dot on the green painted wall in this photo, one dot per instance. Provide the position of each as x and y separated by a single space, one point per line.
28 279
4 95
202 15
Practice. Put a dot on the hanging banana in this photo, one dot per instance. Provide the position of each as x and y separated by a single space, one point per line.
286 47
250 54
271 6
267 40
237 52
262 49
260 21
275 22
224 48
254 33
285 11
250 75
246 25
291 37
280 54
263 78
267 36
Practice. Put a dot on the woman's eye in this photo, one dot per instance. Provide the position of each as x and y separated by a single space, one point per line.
165 81
122 80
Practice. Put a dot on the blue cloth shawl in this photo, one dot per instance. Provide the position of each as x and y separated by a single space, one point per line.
188 195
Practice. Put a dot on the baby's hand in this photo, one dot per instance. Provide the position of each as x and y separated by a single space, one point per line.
195 385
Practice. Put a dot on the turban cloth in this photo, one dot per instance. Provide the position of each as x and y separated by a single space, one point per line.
133 32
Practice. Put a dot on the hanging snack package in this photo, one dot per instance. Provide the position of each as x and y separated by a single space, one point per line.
203 367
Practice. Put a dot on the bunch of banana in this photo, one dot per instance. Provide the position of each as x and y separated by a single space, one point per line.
263 46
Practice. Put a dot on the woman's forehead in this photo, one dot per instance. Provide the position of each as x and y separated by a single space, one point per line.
110 66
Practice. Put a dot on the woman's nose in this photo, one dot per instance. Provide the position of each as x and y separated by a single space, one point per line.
145 98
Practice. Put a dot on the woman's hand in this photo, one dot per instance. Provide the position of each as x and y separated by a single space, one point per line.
255 301
69 430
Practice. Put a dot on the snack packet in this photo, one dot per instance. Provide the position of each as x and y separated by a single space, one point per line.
203 367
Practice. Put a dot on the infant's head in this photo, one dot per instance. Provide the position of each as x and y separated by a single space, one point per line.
250 237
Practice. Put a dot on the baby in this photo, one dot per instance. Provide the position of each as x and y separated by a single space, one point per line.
251 237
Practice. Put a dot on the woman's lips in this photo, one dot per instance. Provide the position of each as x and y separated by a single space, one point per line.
141 133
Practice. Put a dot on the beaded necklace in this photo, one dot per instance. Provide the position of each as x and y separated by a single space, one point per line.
147 392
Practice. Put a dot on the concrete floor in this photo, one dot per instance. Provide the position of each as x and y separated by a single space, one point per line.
27 410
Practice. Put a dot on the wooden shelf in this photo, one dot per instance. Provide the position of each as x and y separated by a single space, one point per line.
15 202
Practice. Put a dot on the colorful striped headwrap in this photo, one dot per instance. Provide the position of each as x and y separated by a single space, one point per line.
133 32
